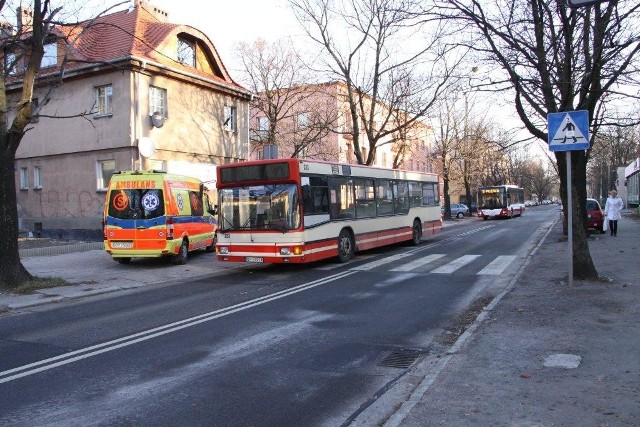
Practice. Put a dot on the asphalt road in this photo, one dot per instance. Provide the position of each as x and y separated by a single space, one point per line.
256 345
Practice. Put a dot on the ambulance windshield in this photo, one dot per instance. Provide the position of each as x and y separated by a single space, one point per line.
136 203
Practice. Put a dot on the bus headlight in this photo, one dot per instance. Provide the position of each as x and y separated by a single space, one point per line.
223 250
296 250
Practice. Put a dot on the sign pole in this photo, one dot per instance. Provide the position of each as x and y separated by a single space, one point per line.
569 218
568 131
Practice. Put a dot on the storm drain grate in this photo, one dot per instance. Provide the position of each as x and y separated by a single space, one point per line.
401 358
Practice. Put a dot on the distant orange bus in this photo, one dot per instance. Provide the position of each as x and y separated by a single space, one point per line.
153 213
298 211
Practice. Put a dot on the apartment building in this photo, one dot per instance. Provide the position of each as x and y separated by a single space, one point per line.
138 92
316 124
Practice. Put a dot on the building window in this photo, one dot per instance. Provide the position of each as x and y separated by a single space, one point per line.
103 173
158 101
186 53
37 178
262 129
10 64
50 57
263 123
230 114
302 120
103 100
24 179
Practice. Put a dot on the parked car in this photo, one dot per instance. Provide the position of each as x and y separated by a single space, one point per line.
595 215
458 210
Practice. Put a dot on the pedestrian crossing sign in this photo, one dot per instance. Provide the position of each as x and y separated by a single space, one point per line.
568 130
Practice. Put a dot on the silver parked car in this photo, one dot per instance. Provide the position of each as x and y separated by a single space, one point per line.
458 210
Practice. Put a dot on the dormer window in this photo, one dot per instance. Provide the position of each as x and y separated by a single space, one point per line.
186 53
10 63
50 58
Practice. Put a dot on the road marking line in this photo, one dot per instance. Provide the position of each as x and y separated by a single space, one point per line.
498 265
455 264
418 263
378 263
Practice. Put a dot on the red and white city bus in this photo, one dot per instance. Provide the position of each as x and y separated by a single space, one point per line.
297 211
500 201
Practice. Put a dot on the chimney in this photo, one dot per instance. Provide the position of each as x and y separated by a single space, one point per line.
6 30
162 15
24 19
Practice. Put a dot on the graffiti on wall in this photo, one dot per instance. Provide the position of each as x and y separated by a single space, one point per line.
63 204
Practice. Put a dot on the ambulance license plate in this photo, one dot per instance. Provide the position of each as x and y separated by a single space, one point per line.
122 245
254 259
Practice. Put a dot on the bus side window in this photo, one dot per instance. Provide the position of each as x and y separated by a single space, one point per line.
321 199
315 200
307 200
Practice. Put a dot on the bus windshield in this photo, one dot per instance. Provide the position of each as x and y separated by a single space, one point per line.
259 207
491 198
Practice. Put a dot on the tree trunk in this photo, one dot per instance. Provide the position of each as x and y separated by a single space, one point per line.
583 267
445 188
12 272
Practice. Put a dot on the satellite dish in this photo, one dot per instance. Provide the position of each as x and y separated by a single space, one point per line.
157 119
146 147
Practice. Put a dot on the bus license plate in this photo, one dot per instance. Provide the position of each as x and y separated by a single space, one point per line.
254 259
122 245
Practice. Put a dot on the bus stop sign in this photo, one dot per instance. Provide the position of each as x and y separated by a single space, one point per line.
568 130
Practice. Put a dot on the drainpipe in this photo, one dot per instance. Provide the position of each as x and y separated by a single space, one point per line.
137 115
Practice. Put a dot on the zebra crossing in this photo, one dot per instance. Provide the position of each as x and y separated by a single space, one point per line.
442 263
435 264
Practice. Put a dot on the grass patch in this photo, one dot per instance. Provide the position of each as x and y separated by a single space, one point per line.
36 283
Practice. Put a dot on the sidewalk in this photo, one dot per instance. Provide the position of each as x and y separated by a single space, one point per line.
99 274
545 354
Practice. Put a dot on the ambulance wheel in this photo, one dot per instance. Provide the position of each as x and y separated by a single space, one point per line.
346 246
123 260
212 247
183 254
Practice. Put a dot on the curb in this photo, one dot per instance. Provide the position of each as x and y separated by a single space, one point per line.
58 250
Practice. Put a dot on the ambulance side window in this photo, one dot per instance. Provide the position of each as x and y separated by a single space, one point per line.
196 203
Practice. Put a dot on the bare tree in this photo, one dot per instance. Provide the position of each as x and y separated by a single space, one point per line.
12 271
536 179
446 144
365 46
612 148
475 136
287 112
556 59
25 46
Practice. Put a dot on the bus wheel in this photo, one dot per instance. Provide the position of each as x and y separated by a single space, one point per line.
345 246
416 235
183 254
